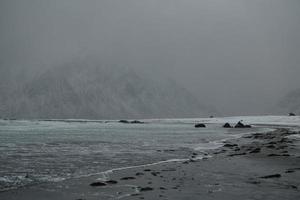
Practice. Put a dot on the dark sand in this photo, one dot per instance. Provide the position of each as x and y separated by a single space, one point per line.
257 166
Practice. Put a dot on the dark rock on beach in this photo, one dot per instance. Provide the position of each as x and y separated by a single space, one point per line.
271 176
127 178
273 155
111 182
237 154
96 184
155 173
139 174
200 126
145 189
289 171
230 145
277 155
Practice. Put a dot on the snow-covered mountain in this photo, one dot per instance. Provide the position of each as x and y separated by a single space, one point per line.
97 92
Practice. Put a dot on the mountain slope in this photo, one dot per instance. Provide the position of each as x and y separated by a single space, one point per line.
291 102
98 92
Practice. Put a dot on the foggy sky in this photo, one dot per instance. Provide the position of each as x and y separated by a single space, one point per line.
240 56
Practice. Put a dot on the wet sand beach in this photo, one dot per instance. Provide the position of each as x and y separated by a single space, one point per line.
256 166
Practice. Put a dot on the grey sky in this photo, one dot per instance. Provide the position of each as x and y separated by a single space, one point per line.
239 55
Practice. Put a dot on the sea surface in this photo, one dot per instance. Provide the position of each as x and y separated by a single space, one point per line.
34 152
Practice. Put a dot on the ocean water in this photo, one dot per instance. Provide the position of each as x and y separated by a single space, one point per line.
33 152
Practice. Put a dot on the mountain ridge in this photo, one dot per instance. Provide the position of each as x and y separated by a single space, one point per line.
94 91
290 102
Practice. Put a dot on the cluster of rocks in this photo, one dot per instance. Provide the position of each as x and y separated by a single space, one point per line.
226 125
238 125
270 144
129 178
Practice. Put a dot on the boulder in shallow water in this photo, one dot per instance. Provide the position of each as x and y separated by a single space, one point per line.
136 122
124 121
292 114
200 126
241 125
227 125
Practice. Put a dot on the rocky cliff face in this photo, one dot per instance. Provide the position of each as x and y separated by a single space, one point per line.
97 92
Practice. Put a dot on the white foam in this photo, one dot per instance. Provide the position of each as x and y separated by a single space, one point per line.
219 143
105 174
295 136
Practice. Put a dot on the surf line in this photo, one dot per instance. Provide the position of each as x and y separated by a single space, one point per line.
105 174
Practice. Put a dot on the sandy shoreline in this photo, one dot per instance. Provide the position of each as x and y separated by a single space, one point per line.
256 166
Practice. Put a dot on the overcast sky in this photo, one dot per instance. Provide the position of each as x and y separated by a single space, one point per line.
239 55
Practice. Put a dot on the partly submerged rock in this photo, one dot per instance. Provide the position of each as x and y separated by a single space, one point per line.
137 122
200 126
131 122
241 125
227 125
292 114
124 121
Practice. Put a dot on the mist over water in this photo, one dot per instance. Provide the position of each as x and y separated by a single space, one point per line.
240 57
